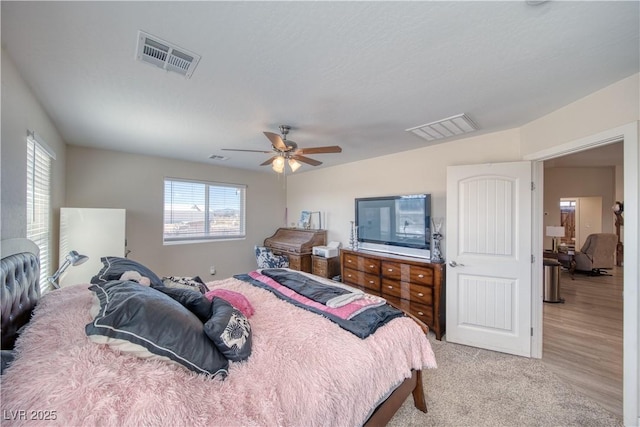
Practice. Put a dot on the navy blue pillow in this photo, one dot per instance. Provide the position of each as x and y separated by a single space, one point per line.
114 267
140 320
191 299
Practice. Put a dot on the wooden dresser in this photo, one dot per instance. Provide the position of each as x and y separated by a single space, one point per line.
413 285
297 244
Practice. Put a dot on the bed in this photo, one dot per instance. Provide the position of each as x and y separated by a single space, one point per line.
303 368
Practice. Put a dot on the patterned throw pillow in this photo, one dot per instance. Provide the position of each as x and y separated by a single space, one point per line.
193 283
236 299
229 330
267 259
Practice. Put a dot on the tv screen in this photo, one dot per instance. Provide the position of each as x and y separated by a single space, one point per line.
402 221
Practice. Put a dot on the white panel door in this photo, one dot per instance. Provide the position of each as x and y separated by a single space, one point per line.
91 232
488 250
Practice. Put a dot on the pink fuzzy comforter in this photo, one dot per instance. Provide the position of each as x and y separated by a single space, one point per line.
304 370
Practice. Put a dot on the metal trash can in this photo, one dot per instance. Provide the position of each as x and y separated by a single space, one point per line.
551 281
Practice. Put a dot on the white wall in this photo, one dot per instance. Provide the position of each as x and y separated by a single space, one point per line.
110 179
612 106
333 190
21 111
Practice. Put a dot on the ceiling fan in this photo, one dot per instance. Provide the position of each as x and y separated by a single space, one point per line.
288 150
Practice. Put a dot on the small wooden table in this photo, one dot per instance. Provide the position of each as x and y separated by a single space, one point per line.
325 267
567 260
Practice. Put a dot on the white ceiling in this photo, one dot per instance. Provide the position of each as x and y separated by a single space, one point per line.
355 74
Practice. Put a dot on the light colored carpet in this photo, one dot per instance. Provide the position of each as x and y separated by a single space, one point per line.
474 387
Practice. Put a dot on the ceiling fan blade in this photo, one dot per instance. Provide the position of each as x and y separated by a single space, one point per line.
320 150
268 162
276 141
306 160
250 151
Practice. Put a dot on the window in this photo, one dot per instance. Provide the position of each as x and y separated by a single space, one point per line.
39 157
198 210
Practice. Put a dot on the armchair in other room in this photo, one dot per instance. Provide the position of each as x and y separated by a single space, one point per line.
267 259
597 253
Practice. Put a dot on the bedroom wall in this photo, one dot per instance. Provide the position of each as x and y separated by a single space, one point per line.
21 111
109 179
612 106
333 190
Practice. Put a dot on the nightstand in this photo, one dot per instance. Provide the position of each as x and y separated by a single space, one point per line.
325 267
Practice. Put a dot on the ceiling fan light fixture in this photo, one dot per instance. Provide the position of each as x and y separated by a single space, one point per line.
294 165
278 164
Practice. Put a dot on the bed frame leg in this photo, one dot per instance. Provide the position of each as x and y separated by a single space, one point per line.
418 394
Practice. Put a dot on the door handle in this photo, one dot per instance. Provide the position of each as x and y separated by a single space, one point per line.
455 264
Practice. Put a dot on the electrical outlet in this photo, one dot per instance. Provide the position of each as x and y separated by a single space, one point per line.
212 270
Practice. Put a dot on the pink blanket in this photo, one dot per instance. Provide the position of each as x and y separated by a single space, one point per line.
291 378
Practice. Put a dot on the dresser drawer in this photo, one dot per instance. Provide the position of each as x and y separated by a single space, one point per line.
407 273
408 291
370 265
422 312
362 279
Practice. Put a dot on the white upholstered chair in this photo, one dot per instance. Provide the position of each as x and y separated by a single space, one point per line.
267 259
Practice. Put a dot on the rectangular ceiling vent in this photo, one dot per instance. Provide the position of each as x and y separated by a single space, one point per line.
445 128
167 56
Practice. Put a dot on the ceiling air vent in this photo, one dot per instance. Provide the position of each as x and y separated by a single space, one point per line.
445 128
167 56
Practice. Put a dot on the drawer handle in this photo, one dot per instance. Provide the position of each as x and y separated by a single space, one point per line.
390 287
348 275
349 261
421 313
420 294
390 269
421 275
371 281
371 266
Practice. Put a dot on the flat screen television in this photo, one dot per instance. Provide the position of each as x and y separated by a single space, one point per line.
395 224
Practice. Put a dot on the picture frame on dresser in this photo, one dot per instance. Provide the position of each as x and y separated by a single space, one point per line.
305 220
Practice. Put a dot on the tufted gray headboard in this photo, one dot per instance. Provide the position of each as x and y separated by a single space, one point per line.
19 287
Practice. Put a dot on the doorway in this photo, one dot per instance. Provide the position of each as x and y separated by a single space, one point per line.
592 309
582 337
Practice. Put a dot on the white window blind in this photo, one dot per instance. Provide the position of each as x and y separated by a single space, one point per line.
198 210
39 202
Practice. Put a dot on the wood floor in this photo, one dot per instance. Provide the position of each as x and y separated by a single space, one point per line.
582 338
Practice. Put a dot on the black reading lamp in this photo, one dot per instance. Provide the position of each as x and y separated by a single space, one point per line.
73 258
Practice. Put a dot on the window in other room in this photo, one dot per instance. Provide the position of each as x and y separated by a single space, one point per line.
203 211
